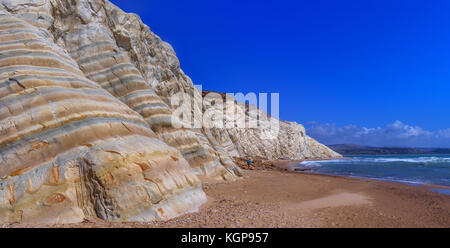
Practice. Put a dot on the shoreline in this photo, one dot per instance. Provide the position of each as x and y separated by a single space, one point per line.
416 184
420 185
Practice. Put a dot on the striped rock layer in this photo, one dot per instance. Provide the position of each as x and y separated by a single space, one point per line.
70 150
102 60
86 120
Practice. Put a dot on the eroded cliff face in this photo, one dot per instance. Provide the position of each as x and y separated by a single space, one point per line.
87 120
268 138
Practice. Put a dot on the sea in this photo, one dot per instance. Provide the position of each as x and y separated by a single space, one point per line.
409 169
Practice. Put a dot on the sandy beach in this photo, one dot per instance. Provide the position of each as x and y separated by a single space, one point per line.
274 198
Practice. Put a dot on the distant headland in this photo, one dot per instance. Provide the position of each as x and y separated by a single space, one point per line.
352 149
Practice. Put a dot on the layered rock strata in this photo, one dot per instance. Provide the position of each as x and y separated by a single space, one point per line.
103 47
70 150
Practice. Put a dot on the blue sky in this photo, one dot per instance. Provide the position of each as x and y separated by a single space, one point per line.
367 64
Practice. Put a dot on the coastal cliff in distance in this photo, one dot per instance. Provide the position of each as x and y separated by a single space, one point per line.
290 143
86 120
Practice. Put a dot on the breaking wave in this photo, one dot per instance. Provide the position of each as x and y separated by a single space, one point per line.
356 160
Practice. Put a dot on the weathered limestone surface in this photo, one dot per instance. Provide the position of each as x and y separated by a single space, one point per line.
70 150
103 42
86 120
290 141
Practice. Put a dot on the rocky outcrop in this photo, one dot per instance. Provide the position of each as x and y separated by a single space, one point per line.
104 42
87 120
70 150
288 142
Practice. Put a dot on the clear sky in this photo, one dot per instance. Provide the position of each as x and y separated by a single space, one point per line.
337 64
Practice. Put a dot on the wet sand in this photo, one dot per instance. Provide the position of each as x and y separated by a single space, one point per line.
271 198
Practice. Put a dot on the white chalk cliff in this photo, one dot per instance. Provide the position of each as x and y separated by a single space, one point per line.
86 120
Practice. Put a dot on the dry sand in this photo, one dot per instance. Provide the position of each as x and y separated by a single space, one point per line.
287 199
